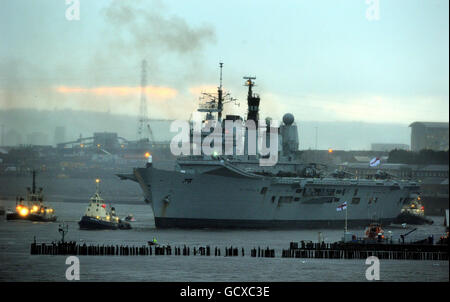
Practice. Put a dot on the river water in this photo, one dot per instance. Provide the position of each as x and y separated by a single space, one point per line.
16 263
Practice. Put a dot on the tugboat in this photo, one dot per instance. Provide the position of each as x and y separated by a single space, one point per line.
33 207
374 233
413 213
130 218
99 217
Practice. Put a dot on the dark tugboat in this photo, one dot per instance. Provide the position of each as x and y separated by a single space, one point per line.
130 218
413 213
32 207
99 217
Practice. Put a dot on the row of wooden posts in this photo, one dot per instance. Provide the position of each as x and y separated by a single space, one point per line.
369 246
356 254
363 251
72 248
315 250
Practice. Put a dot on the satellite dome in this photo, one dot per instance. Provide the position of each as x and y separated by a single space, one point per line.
288 119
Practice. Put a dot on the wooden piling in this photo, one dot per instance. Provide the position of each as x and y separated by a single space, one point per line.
307 250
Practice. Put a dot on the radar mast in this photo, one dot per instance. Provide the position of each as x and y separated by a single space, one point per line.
252 100
215 103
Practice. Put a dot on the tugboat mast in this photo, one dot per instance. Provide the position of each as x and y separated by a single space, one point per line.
33 188
97 181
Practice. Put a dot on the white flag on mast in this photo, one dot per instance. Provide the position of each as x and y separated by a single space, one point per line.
375 162
342 207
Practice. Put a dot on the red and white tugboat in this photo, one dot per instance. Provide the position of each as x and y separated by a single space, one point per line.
100 217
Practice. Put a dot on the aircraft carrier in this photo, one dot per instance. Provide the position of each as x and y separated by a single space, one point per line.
235 191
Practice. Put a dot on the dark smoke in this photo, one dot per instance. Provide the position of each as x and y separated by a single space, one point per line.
172 47
148 29
133 31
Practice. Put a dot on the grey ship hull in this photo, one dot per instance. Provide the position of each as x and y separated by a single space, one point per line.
189 223
222 196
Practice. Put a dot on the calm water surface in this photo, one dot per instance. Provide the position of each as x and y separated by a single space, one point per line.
16 263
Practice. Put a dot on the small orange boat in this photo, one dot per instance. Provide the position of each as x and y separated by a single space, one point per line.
374 232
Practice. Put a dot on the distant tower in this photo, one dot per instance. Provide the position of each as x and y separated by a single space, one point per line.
144 121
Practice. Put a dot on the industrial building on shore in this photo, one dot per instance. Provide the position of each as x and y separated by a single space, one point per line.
429 135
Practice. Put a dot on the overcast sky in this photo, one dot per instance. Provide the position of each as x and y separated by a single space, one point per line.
321 60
